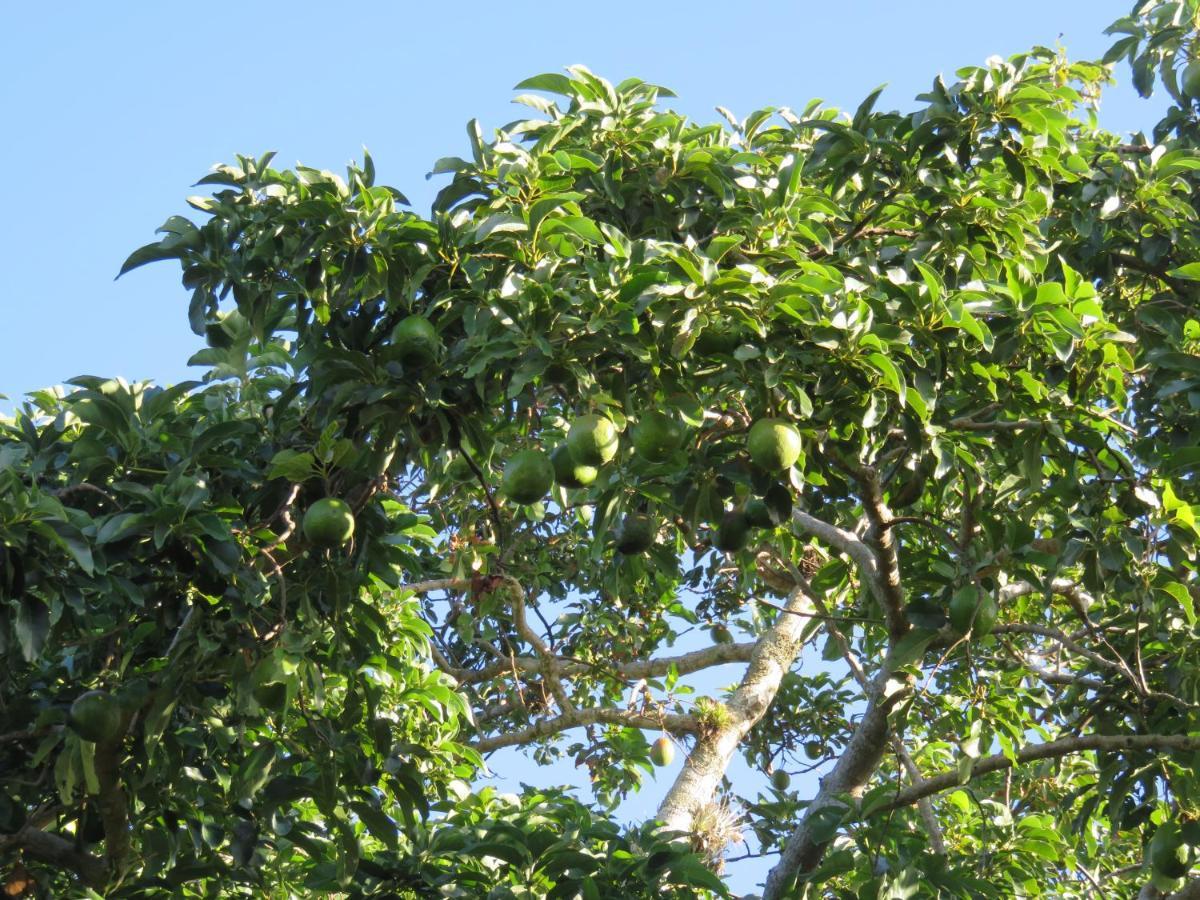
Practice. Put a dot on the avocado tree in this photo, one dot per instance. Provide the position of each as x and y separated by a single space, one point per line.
897 412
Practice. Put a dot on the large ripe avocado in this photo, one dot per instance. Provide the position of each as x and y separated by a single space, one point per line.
733 532
416 341
1169 855
1189 83
662 752
636 534
973 609
569 473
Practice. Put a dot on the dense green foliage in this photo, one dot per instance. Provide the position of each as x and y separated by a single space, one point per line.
900 375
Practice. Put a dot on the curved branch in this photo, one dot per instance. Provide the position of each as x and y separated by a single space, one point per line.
685 664
849 543
550 665
436 584
1059 637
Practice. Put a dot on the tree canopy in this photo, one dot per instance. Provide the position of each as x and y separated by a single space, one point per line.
897 411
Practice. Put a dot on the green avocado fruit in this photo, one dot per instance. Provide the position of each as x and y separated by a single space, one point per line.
774 444
459 469
592 440
1190 82
1169 855
416 340
662 752
973 609
757 513
635 534
721 634
717 338
569 473
96 716
527 476
329 522
781 780
733 532
657 435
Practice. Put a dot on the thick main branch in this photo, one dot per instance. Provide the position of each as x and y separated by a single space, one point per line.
705 766
806 844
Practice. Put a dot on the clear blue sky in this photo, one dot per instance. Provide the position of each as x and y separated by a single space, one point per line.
112 111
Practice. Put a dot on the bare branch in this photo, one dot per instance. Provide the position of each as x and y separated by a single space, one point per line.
576 718
685 664
1178 743
1059 637
67 492
283 511
996 424
770 660
932 828
550 664
878 515
436 584
113 806
61 853
868 743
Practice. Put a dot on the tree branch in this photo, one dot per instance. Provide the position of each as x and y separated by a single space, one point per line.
576 718
868 743
944 781
770 660
685 664
61 853
878 515
113 807
932 828
436 584
549 662
849 543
